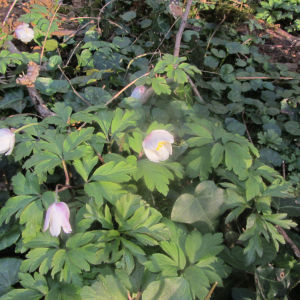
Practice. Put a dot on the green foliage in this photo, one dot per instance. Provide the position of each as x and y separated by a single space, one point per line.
229 186
280 10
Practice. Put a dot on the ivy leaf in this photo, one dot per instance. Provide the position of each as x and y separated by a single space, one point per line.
9 268
128 16
201 209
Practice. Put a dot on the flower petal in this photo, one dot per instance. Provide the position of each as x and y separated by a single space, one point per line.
64 214
163 153
11 145
152 155
48 217
164 135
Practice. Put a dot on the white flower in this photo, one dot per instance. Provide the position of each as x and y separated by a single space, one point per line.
138 92
58 216
24 33
7 141
158 145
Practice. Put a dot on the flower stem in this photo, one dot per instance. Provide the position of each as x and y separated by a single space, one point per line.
23 127
66 172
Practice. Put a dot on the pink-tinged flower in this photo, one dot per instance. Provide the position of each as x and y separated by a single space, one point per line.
58 216
24 33
7 141
138 92
158 145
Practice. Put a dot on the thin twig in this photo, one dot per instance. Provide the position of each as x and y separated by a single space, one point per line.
157 49
288 240
86 101
125 88
8 13
247 78
248 133
138 296
128 296
181 28
77 31
71 57
211 291
283 169
215 31
43 48
195 89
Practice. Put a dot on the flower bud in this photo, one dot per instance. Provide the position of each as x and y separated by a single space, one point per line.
138 92
7 141
158 145
24 33
58 216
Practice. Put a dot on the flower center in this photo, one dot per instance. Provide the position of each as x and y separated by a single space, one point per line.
159 146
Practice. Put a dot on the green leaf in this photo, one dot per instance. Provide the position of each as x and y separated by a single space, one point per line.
106 287
22 294
122 121
128 16
201 209
199 162
169 288
159 85
108 190
37 283
14 99
211 61
9 234
51 45
156 175
146 23
9 268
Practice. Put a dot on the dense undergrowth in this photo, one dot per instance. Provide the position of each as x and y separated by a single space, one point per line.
221 213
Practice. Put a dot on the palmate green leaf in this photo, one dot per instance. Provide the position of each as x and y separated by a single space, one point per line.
201 209
64 291
236 202
32 216
77 256
108 176
156 176
113 171
63 115
198 162
22 294
9 268
162 263
175 288
104 190
37 283
96 213
194 257
106 287
238 159
85 165
159 85
122 121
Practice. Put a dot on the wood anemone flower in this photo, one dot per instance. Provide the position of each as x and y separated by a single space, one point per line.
24 33
58 216
7 141
158 145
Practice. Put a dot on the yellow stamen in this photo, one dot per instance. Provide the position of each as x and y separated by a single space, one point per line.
159 146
